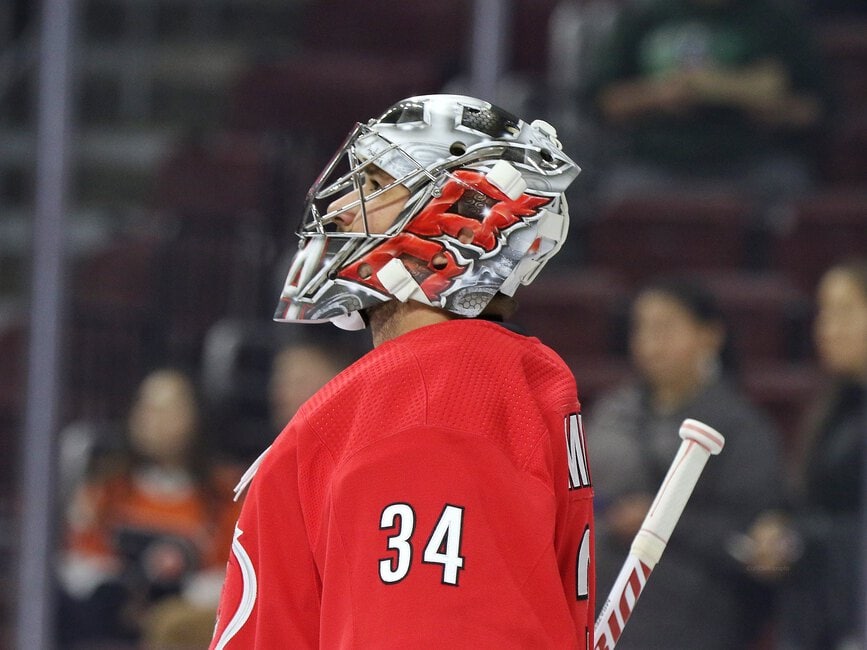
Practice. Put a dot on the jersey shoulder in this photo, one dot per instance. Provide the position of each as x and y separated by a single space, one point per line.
465 375
500 361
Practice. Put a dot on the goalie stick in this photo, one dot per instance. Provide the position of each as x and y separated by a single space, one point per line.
699 442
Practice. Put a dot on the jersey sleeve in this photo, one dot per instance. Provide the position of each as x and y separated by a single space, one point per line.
271 594
436 538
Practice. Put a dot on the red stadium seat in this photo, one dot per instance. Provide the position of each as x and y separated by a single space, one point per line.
844 47
817 231
226 174
578 313
13 342
843 155
784 391
118 277
114 326
346 71
13 374
322 94
425 29
766 315
530 36
643 237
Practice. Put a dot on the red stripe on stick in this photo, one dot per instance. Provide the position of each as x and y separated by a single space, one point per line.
614 626
715 442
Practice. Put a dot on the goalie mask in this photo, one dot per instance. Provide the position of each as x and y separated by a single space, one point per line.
444 199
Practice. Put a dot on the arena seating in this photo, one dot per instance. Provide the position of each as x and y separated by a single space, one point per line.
345 70
646 236
815 231
227 202
580 314
784 391
766 315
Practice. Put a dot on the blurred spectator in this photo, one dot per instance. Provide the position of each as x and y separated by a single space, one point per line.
699 597
814 550
254 378
149 525
298 371
709 94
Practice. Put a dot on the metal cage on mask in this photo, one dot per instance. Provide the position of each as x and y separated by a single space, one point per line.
468 229
345 175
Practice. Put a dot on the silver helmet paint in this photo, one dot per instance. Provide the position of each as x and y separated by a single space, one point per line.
485 212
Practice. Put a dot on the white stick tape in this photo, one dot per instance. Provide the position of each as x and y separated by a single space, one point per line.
699 442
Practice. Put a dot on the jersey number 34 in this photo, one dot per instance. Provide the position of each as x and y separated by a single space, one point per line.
443 546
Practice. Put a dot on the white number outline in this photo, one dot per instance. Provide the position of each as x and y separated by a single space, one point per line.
446 535
582 567
394 569
447 532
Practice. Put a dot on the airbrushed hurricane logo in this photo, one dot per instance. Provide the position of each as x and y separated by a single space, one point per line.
467 222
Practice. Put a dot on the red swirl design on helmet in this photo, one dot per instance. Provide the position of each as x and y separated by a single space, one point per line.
436 220
417 249
417 255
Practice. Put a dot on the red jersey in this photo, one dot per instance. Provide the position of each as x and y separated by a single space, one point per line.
435 494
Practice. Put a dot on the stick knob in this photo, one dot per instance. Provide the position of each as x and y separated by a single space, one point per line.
706 436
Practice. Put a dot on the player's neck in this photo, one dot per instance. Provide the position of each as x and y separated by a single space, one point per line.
392 319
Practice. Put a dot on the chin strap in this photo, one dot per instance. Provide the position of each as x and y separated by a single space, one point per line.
400 283
352 321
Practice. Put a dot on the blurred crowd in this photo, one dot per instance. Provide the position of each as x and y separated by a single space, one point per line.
178 381
729 96
709 94
149 517
767 553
